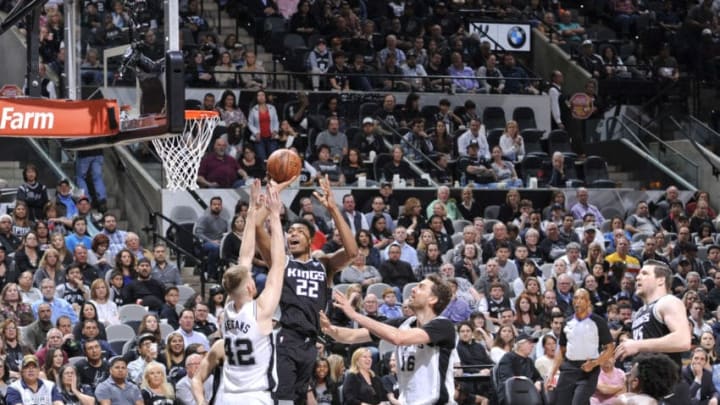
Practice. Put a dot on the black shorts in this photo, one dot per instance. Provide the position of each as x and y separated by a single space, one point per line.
296 355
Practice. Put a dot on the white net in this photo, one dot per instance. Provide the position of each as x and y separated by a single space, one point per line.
181 154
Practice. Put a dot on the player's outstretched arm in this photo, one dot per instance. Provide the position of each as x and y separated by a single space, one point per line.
343 335
270 297
338 260
398 337
262 238
207 365
247 248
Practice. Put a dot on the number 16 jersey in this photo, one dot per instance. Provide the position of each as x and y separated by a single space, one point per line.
304 295
249 354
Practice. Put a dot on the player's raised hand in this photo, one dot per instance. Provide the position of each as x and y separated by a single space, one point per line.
272 199
282 186
256 195
326 197
341 302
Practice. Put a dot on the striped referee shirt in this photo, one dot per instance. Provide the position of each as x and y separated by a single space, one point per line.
584 339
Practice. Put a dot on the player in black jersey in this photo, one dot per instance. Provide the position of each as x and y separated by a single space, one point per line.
304 295
661 325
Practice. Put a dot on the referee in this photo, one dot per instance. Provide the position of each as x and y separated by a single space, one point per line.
585 343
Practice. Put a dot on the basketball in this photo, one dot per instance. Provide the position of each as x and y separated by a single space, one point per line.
283 165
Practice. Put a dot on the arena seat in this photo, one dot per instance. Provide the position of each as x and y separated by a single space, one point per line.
493 117
532 138
131 312
521 391
493 137
525 117
559 141
119 332
341 288
492 211
596 173
460 224
377 289
407 290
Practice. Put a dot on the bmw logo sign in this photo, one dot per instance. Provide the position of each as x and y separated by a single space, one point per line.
516 37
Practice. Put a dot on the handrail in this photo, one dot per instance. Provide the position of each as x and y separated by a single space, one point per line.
690 137
679 180
705 126
639 143
417 151
56 169
660 141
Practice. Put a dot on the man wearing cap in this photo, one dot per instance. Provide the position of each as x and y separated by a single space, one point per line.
585 343
84 210
319 61
412 69
117 390
591 61
8 239
63 197
144 290
147 352
30 388
368 140
517 363
472 166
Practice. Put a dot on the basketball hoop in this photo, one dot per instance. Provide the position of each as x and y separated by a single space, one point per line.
181 154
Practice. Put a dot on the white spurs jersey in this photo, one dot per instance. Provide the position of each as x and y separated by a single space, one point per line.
249 354
425 372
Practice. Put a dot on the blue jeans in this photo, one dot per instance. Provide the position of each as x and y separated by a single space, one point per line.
212 250
264 147
260 278
93 165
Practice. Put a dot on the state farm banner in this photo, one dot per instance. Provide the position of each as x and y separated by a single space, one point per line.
44 118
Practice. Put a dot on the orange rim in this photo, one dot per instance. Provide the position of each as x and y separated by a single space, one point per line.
200 114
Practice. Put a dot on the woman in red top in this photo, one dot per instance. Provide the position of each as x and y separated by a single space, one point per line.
264 126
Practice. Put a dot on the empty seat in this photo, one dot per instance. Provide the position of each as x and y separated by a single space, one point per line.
185 293
131 312
407 290
341 288
378 289
380 161
571 172
117 346
367 110
533 166
192 104
428 112
596 173
165 330
492 211
559 141
119 332
460 224
183 214
493 137
525 117
532 139
494 117
521 391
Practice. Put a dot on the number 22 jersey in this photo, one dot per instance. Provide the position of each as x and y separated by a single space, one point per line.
304 295
249 354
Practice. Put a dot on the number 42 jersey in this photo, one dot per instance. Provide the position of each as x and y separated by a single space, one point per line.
249 364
